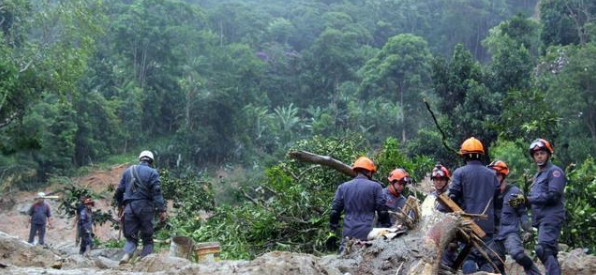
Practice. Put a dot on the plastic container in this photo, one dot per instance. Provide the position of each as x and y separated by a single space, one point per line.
181 247
207 252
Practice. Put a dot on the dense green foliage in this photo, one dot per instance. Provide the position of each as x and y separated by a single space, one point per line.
213 84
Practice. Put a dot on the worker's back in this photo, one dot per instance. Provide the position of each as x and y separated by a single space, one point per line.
474 188
360 199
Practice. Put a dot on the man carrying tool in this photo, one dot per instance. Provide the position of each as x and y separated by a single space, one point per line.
360 198
40 215
547 202
139 195
395 201
473 188
508 220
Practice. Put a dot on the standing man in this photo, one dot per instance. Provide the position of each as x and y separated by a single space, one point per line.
360 198
474 188
509 219
139 196
79 207
547 202
395 201
85 224
39 215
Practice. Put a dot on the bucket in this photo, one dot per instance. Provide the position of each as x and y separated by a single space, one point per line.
181 247
207 252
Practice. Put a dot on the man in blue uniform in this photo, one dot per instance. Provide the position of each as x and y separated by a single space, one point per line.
547 202
85 224
508 220
474 188
398 179
360 198
40 215
139 196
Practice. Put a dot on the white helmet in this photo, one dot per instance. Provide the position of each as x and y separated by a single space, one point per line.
40 195
146 154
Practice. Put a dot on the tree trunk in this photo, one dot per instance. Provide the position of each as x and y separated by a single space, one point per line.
322 160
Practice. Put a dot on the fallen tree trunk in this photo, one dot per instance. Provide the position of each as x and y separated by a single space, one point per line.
322 160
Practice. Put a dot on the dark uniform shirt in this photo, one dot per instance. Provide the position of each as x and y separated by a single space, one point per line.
473 186
39 213
550 179
146 190
360 198
86 219
509 219
394 203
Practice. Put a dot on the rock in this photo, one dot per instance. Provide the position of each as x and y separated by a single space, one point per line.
155 262
105 263
20 253
577 262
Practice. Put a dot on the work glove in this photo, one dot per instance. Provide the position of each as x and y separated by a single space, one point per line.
517 200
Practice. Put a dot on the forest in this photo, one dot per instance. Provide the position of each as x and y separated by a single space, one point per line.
222 90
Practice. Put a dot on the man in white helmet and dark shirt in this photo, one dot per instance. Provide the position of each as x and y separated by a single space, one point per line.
139 195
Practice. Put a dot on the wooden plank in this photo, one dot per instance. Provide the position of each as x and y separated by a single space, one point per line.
445 200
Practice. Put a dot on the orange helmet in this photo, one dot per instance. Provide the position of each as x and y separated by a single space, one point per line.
440 172
499 166
364 163
471 146
399 175
540 144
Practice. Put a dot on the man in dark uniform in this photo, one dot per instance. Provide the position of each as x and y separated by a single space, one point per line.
474 188
395 201
508 220
139 196
360 198
547 202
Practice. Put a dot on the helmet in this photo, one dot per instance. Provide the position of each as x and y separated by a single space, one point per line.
146 155
399 175
40 195
364 163
540 144
499 166
471 146
440 172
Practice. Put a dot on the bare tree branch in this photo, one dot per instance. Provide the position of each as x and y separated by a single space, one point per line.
443 135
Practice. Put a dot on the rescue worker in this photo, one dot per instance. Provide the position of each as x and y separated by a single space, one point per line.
547 203
139 195
440 177
473 188
508 220
85 224
39 215
395 201
80 207
360 198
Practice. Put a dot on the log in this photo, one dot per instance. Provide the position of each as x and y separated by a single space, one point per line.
445 200
322 160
